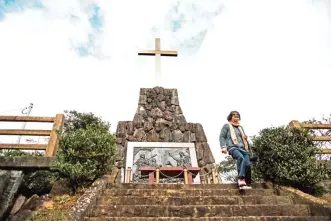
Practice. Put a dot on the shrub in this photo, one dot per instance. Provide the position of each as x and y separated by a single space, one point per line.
86 149
13 153
75 120
228 169
20 153
287 156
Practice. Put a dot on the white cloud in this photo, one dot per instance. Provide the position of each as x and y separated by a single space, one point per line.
270 60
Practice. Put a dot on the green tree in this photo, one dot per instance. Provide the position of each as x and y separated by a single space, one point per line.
86 149
287 156
228 169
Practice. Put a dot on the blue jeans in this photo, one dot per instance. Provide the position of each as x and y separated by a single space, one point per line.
243 161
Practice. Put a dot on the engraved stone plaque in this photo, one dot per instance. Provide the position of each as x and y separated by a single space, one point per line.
162 154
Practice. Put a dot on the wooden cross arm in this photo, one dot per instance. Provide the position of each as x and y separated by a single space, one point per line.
162 53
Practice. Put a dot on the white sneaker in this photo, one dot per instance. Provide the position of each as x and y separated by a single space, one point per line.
245 187
241 182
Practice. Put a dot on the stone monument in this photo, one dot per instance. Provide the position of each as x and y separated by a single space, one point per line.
160 136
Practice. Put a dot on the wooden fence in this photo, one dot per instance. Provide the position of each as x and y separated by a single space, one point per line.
50 148
297 124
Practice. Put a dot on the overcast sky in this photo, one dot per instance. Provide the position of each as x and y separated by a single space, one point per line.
268 59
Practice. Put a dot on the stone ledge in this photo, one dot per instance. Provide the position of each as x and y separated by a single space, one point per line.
24 162
85 203
317 207
303 197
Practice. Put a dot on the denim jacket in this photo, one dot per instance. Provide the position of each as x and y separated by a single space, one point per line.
226 140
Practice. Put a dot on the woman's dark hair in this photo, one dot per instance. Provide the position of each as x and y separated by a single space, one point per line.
231 114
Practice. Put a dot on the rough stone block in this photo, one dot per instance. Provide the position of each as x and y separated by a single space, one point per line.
165 134
141 111
18 204
142 99
174 92
148 126
120 152
179 118
138 119
139 134
121 129
187 136
143 91
177 136
152 136
200 134
138 123
130 128
174 100
167 115
178 110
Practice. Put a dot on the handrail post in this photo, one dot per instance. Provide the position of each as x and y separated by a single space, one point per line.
208 179
185 176
53 142
295 124
157 175
215 180
128 175
202 179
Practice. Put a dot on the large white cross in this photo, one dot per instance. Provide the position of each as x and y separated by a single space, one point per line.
158 53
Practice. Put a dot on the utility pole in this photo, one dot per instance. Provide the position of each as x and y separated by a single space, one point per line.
27 113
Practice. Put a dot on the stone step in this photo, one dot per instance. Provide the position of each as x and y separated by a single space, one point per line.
188 192
183 186
196 200
265 218
199 211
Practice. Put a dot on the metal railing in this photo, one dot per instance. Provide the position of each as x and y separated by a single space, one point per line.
209 178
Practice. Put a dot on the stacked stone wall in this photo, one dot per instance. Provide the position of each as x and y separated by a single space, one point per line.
159 118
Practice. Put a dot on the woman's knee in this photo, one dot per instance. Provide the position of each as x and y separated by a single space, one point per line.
247 162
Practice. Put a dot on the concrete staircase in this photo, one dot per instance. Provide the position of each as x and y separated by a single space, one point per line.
205 202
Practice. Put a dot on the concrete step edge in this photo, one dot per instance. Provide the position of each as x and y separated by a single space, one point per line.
233 218
201 211
184 206
195 200
187 192
203 186
207 197
192 189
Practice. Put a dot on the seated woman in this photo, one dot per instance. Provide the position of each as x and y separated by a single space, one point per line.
234 141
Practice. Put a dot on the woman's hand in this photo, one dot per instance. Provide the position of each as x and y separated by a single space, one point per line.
224 150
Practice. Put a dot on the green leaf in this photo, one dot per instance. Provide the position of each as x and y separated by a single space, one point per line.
86 149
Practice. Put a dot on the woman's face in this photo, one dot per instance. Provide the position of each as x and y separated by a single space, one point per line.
235 117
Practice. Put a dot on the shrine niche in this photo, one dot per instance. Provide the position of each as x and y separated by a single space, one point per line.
157 154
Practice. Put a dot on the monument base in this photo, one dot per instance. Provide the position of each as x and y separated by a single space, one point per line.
159 119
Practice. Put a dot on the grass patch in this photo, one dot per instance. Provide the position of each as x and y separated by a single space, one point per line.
56 208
